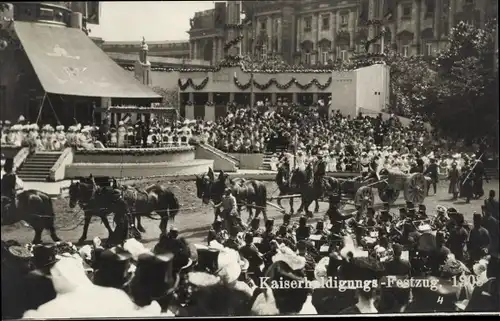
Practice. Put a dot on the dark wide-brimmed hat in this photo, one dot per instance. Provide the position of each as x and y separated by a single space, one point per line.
115 254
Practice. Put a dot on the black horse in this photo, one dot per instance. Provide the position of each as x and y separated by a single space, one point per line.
155 198
302 178
251 193
94 201
286 187
35 208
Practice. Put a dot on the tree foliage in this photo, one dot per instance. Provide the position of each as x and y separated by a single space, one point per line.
466 104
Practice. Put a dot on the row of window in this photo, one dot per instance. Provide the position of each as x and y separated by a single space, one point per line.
407 8
342 54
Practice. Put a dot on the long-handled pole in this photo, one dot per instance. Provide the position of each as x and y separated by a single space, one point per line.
240 12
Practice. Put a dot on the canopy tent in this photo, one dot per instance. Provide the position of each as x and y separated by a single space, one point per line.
67 62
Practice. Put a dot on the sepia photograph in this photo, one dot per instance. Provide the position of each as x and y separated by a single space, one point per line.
249 158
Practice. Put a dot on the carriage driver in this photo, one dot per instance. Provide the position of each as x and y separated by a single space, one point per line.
230 210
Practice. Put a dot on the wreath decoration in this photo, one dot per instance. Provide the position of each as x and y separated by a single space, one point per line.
284 86
190 82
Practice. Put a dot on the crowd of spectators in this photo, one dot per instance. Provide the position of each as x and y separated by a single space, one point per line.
347 144
242 273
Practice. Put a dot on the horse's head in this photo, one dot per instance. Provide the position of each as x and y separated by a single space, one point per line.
80 193
74 194
298 177
210 188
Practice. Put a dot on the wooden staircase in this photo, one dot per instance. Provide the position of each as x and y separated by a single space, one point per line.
37 166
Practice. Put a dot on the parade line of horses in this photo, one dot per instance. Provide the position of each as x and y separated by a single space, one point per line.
129 204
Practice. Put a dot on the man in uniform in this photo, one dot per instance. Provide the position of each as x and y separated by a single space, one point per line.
432 172
478 174
230 211
319 173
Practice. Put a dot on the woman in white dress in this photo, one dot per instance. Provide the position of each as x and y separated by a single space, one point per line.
113 137
60 138
122 133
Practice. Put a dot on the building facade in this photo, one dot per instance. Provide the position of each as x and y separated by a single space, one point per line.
173 49
316 31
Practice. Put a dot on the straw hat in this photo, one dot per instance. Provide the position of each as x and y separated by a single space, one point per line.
229 265
60 127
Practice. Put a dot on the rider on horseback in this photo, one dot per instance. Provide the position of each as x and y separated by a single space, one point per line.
319 173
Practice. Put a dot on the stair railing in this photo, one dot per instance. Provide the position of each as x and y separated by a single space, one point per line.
68 151
21 156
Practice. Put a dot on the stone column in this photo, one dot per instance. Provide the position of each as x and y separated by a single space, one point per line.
191 97
294 98
333 29
437 19
371 16
190 50
231 97
299 31
417 19
195 49
315 97
269 26
210 97
451 14
220 52
352 35
214 50
273 98
280 35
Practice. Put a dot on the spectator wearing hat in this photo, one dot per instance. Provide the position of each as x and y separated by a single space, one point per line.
154 280
492 226
458 237
479 240
210 297
112 268
491 205
283 301
78 297
255 259
218 232
303 231
422 212
486 297
233 242
364 269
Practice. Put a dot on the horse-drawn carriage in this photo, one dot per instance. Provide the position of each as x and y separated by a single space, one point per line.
389 185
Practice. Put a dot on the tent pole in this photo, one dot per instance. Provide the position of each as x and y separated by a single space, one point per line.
41 107
53 110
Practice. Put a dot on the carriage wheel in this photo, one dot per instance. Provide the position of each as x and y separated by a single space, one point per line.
364 197
388 194
415 188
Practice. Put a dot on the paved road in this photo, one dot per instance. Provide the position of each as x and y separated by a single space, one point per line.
194 219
